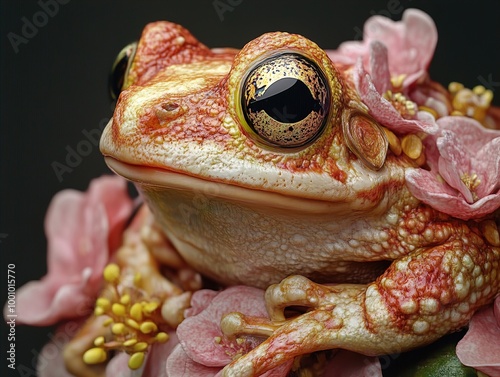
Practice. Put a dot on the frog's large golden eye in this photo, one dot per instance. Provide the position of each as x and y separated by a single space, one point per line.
285 100
120 69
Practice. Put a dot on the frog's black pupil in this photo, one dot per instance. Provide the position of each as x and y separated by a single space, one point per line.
287 100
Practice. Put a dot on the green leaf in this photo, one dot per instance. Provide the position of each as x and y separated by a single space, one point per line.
436 360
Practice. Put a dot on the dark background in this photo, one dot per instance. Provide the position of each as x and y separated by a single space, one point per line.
55 86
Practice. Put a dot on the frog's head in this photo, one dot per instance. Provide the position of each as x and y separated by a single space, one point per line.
275 117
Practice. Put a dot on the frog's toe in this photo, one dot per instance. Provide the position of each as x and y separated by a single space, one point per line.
295 290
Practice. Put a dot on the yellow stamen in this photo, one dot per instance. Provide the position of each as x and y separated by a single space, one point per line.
479 89
125 299
136 312
98 311
150 307
103 303
136 360
161 337
429 110
405 107
118 329
129 342
454 87
94 356
131 323
137 279
471 181
148 327
130 332
394 143
412 146
472 103
118 309
397 81
420 161
99 341
141 346
111 273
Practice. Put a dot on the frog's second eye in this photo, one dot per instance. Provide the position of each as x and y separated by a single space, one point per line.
120 69
285 100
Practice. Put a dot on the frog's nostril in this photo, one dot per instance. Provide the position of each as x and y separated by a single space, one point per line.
120 69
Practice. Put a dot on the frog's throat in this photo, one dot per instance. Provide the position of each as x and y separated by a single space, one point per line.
170 180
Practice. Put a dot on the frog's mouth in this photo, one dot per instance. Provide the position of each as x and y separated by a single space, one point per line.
145 176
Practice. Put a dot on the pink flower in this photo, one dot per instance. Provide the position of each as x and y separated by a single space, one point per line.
372 89
411 43
204 350
154 366
464 180
480 347
82 230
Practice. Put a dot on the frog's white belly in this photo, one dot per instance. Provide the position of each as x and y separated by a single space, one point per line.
241 236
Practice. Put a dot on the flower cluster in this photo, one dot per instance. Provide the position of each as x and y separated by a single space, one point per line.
83 231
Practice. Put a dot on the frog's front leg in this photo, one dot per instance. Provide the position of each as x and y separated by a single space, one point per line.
418 299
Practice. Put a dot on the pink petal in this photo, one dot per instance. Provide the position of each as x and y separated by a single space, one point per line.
431 152
486 164
200 301
454 162
452 177
472 134
480 347
382 110
197 333
77 226
350 364
63 228
410 44
156 362
421 39
179 364
425 187
379 67
496 309
111 191
40 303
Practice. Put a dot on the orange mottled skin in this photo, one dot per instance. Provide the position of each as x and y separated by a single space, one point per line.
281 219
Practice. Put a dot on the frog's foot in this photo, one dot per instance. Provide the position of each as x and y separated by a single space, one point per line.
418 299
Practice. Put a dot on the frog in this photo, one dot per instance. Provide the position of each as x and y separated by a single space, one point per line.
264 168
